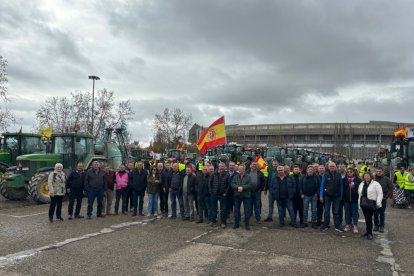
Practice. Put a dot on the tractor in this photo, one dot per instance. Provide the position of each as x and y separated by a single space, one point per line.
13 145
32 170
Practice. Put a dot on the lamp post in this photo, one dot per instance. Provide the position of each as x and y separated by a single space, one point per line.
93 78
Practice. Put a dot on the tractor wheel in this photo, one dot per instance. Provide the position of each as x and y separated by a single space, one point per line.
38 188
12 194
3 170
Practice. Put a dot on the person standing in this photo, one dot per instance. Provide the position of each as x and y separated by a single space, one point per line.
320 206
75 187
219 185
138 183
342 171
164 172
230 196
154 184
330 194
56 185
350 198
202 193
176 192
95 186
109 193
272 172
241 184
283 190
189 192
309 189
409 188
297 200
398 190
129 196
121 186
257 183
387 187
370 198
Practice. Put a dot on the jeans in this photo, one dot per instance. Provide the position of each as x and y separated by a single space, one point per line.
320 209
256 203
152 204
230 204
214 207
55 203
334 201
138 200
341 212
368 219
189 205
107 202
351 213
379 215
164 201
203 205
246 206
271 205
282 205
298 207
75 195
313 200
118 194
174 195
91 198
129 199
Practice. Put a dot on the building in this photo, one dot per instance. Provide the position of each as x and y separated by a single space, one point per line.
194 133
355 140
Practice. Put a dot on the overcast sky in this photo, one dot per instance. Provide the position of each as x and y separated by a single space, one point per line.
252 61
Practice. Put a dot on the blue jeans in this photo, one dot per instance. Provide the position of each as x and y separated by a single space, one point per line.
174 195
351 212
256 202
334 201
341 212
152 203
121 193
271 205
214 207
138 195
282 205
203 204
246 205
314 203
91 198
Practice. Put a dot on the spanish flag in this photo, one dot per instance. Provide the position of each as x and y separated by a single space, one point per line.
262 166
213 136
402 132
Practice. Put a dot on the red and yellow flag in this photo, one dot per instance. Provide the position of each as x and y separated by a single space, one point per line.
402 132
213 136
262 166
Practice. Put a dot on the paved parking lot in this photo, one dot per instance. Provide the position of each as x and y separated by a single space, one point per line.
125 245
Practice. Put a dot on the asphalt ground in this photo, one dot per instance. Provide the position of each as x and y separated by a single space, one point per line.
126 245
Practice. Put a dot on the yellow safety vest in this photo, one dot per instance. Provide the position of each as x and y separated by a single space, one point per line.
181 166
363 169
200 166
400 179
408 185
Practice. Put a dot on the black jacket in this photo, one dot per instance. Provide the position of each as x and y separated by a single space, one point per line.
191 184
385 183
260 182
175 186
202 185
309 185
95 181
219 184
137 180
76 181
351 195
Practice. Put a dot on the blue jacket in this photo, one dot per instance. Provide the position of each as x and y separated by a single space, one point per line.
337 180
275 186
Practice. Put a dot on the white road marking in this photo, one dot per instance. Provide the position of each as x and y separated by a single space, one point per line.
24 216
386 254
12 258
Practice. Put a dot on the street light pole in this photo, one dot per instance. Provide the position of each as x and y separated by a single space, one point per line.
93 78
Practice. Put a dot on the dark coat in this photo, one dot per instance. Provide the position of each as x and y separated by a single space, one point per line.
351 195
309 185
137 180
202 185
95 181
219 184
191 184
178 185
244 182
76 181
275 187
261 182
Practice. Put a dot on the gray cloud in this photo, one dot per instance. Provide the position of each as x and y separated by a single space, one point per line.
252 61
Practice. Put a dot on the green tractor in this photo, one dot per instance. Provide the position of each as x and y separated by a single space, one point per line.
33 170
13 145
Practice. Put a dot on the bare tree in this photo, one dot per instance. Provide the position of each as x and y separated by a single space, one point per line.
170 127
7 118
63 114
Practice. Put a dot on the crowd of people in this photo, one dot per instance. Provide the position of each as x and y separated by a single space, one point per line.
215 195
